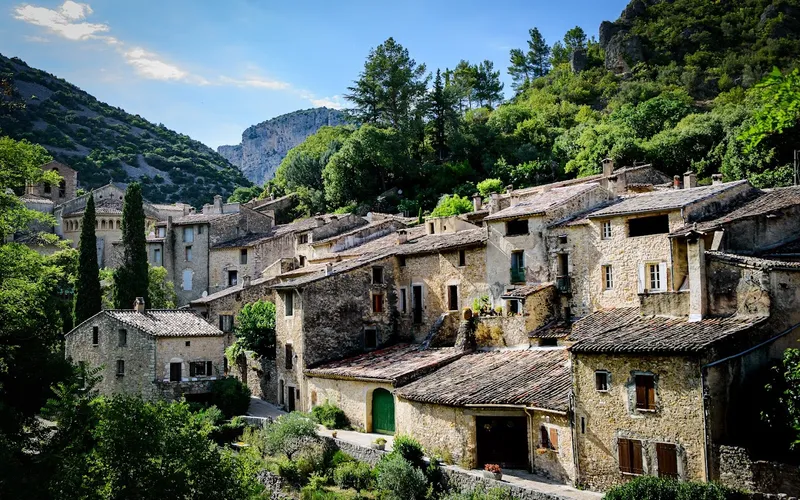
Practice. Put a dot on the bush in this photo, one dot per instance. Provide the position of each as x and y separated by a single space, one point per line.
480 494
656 488
410 449
329 415
230 396
340 457
452 205
356 475
288 435
399 480
489 186
287 469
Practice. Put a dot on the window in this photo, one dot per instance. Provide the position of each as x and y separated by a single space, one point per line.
243 256
119 224
432 228
667 458
516 227
289 356
583 424
403 300
377 275
302 261
302 239
95 335
601 381
630 456
200 369
233 278
62 189
123 337
187 279
161 232
120 368
175 370
548 438
226 322
517 266
462 258
657 224
654 277
157 256
188 234
288 304
370 338
200 229
548 342
188 343
282 397
608 277
563 264
377 302
562 239
189 253
401 260
47 188
606 234
645 392
513 306
452 297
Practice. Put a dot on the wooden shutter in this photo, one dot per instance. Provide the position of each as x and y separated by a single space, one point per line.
641 278
637 464
662 276
208 368
624 455
554 439
191 369
544 436
667 460
651 394
645 392
288 356
641 393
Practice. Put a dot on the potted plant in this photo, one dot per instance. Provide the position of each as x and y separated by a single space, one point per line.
379 444
333 434
493 471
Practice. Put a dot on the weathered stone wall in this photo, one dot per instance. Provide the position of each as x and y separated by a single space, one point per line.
232 303
607 416
176 264
737 289
70 177
738 470
513 327
354 397
664 304
438 428
259 375
558 464
288 330
268 251
539 308
222 260
138 354
175 350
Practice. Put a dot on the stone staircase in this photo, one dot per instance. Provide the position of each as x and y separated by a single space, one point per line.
434 330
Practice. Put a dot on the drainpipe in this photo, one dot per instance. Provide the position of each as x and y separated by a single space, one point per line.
703 371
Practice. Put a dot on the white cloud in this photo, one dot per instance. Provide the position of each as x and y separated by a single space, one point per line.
334 102
255 81
150 66
62 22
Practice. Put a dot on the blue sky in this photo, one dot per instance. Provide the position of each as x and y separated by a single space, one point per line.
210 69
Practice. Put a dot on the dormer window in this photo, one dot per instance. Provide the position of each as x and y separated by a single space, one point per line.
302 239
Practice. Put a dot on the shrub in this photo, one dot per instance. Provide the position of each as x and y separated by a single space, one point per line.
288 434
340 457
329 415
230 396
452 205
656 488
410 449
287 469
481 494
356 475
400 480
489 186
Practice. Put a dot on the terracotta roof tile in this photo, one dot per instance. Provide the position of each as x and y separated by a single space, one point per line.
524 291
166 322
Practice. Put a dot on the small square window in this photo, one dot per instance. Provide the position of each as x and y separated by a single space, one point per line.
601 381
517 227
513 306
302 239
645 392
161 232
95 335
226 322
606 230
123 337
188 343
188 234
462 258
562 239
233 278
120 368
370 338
200 229
377 275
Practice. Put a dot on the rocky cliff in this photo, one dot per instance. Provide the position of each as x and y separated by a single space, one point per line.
264 145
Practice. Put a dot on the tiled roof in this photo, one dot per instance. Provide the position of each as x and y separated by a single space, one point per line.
542 202
559 184
276 232
754 262
555 329
111 206
790 248
398 364
624 331
532 377
166 322
244 241
663 200
37 199
524 291
201 218
387 223
227 291
384 242
767 202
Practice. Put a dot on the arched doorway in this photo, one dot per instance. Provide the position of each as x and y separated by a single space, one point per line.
382 411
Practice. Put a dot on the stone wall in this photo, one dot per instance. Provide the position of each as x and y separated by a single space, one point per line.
222 260
139 355
185 350
558 464
352 396
513 327
604 417
438 428
664 304
178 266
259 375
738 470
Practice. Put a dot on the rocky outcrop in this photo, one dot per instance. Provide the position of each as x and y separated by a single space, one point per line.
578 60
264 146
624 49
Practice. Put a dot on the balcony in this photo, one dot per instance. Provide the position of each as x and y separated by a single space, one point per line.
564 284
517 275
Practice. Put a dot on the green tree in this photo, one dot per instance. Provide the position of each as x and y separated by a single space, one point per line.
160 289
288 435
244 194
489 186
88 295
131 279
461 81
779 106
441 115
575 39
559 54
488 87
532 64
255 328
452 205
521 69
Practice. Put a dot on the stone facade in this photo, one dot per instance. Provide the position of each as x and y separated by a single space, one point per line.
740 471
354 397
60 193
603 417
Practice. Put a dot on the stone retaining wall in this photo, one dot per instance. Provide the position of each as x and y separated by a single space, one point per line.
767 479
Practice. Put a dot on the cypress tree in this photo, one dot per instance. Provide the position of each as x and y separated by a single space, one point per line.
131 278
88 296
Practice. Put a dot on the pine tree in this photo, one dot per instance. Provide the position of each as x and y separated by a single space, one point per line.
441 112
131 279
488 87
526 66
88 295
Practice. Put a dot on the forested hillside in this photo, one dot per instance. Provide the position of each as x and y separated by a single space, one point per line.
107 144
673 83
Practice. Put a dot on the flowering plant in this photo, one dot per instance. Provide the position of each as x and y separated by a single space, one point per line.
493 468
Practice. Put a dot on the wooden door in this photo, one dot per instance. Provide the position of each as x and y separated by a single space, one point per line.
175 372
502 441
416 297
382 412
291 395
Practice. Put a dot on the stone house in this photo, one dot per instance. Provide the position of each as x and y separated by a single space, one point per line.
64 191
508 407
153 353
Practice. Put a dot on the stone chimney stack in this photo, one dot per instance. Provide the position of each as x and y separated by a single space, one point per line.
245 281
676 182
402 236
689 180
716 179
698 300
477 202
217 204
494 203
138 305
608 167
320 221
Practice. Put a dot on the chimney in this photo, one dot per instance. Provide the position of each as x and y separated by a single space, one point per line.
509 189
245 281
689 180
619 183
476 202
716 179
402 236
320 221
608 167
328 268
169 224
696 256
192 210
138 305
217 204
494 203
676 182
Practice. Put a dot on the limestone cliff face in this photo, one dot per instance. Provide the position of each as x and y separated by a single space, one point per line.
264 145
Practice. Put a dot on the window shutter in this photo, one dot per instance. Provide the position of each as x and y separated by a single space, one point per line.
641 393
191 370
651 394
554 439
624 455
637 465
662 274
667 460
641 278
545 438
208 368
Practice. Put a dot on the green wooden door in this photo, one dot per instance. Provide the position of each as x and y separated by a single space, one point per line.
382 411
